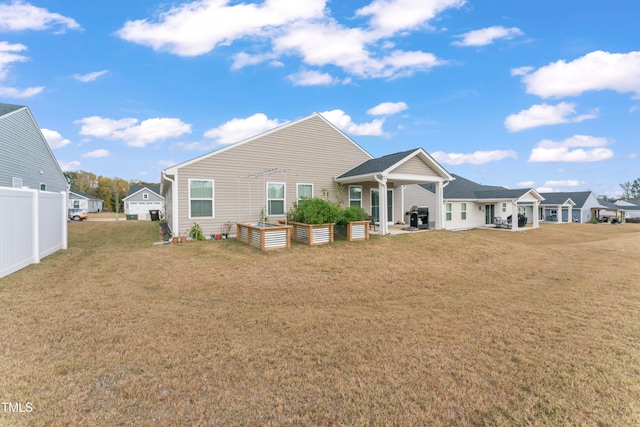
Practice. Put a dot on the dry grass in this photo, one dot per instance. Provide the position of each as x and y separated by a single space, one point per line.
437 328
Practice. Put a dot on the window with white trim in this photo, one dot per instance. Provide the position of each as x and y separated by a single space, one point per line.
145 196
200 198
43 186
355 195
463 211
304 191
76 204
16 182
448 211
504 207
275 198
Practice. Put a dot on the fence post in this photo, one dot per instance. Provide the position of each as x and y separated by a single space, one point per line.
65 239
35 226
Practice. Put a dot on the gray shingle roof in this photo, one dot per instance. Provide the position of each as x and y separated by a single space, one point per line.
578 197
464 189
80 193
378 164
135 188
9 108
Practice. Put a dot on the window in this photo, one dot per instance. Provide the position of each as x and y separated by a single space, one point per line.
305 190
448 211
16 182
275 198
200 198
76 204
355 195
463 211
43 187
145 196
504 207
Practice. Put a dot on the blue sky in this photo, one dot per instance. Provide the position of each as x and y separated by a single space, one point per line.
542 94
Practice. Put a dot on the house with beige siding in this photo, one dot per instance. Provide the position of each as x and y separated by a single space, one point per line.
262 176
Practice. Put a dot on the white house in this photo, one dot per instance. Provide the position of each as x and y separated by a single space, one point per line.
143 198
80 200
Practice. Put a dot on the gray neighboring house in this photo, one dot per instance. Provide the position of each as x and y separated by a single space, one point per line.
143 198
80 200
631 207
467 204
309 157
580 206
26 160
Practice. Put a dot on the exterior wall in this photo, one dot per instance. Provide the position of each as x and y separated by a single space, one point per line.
25 154
137 204
475 215
311 151
139 196
414 195
83 203
415 166
584 214
33 224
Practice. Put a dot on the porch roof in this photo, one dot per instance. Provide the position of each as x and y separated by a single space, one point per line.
467 190
390 167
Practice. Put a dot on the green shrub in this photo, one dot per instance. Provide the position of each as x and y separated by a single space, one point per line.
314 211
352 213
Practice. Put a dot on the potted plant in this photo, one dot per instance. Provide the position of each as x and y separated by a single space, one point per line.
195 232
175 238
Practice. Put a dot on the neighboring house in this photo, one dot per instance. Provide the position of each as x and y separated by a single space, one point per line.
26 160
33 192
610 210
572 206
143 198
467 204
631 207
80 200
262 176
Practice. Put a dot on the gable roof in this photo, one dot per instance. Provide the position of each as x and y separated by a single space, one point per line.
579 198
172 170
9 108
83 195
135 188
389 165
609 205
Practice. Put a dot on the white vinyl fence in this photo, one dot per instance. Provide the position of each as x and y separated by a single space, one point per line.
33 224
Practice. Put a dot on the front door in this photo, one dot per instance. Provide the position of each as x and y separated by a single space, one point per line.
489 213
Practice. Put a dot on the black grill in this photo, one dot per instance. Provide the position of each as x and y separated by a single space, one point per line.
419 217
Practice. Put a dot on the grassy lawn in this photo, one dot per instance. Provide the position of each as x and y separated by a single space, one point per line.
438 328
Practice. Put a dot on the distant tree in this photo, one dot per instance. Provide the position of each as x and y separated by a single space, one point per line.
635 189
631 190
72 178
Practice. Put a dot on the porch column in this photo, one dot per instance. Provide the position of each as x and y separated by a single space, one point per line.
570 214
559 214
439 211
514 215
536 214
382 189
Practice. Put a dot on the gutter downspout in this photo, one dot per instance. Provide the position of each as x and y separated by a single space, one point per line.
174 213
382 209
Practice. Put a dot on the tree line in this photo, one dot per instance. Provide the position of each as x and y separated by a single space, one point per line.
631 190
111 190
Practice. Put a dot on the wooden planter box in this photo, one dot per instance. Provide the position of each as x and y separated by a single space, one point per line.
312 234
264 238
352 231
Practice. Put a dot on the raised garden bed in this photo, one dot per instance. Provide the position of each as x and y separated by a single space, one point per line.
265 236
352 231
312 234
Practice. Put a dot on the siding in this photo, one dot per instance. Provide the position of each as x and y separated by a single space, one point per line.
415 166
24 153
311 151
139 197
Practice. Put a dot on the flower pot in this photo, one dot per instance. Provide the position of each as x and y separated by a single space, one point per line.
174 240
183 239
218 236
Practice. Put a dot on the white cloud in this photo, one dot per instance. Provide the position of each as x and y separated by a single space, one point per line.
387 108
238 129
134 134
344 122
89 77
311 78
476 158
166 163
198 27
544 115
563 183
54 139
8 56
97 153
546 190
487 36
292 28
595 71
526 184
578 148
69 166
20 16
388 17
